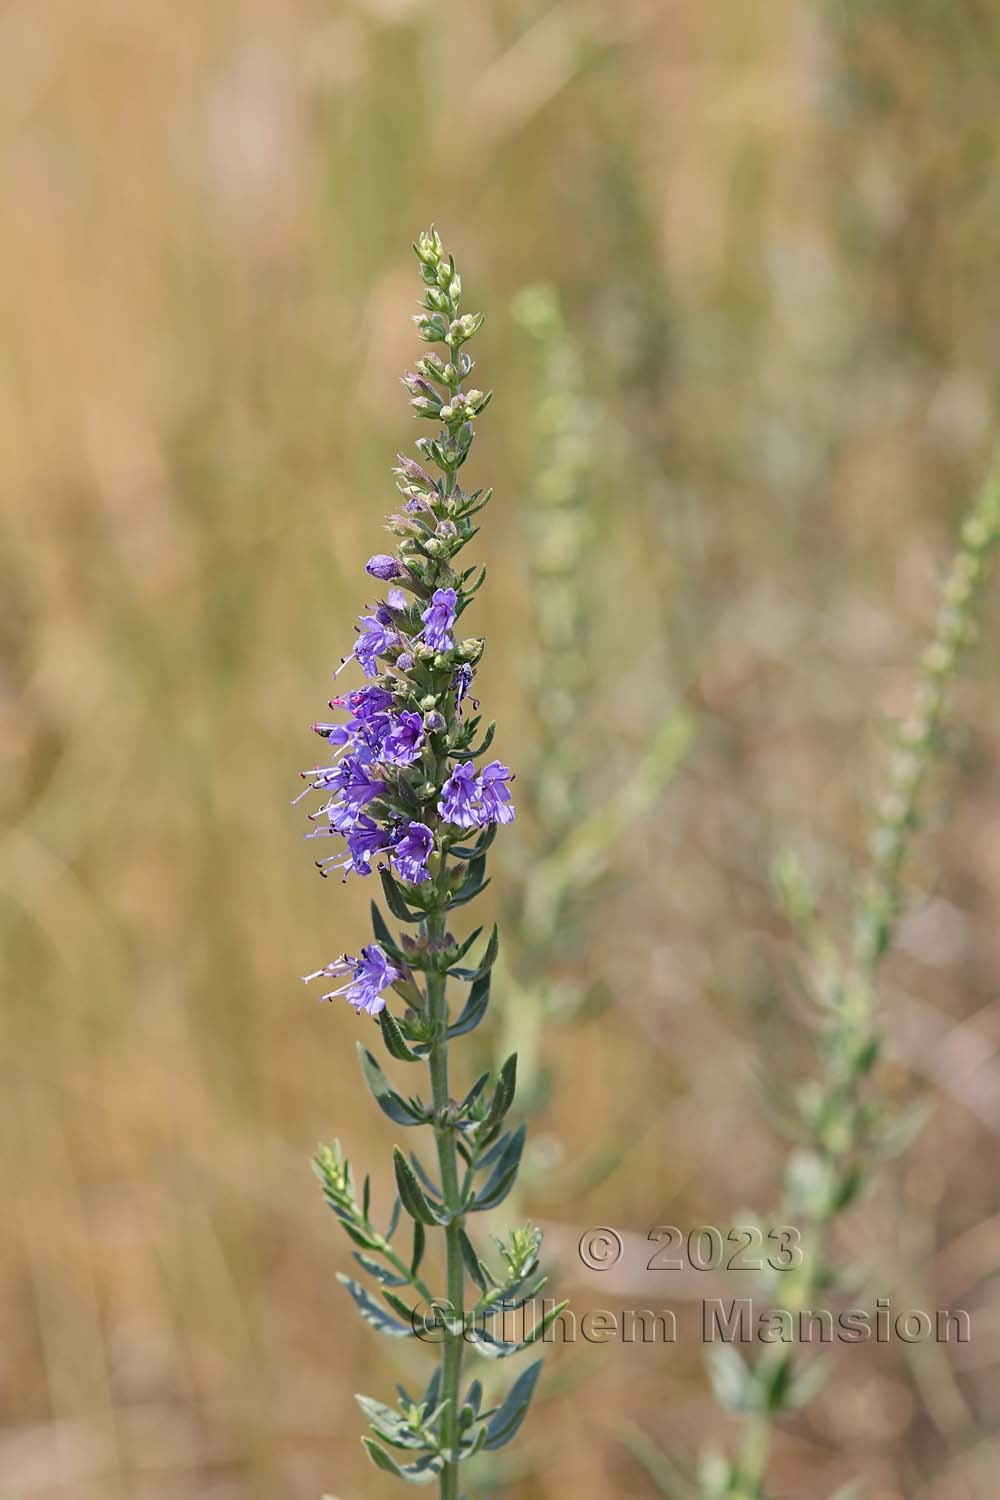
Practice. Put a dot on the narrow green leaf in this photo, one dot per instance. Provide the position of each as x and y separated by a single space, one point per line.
381 1273
495 1191
419 1244
778 1384
520 1293
474 1010
399 1110
394 899
473 1264
465 945
384 937
389 1425
503 1094
433 1391
474 1397
467 893
540 1328
483 842
398 1306
410 1192
506 1423
490 1348
473 588
426 1180
474 1093
480 749
424 1471
359 1236
395 1042
373 1313
490 1157
486 962
487 741
470 1449
848 1189
489 958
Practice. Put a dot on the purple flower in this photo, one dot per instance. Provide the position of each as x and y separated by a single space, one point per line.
438 619
365 702
460 797
406 739
461 683
496 804
357 787
363 840
410 855
376 638
341 819
321 779
337 734
370 975
384 567
370 736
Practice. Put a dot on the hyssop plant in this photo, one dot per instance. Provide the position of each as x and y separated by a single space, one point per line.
407 791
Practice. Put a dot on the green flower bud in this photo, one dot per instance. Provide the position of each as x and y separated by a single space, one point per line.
470 650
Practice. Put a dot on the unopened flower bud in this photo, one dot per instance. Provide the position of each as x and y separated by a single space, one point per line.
384 567
470 650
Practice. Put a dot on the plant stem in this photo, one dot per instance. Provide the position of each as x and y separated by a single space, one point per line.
445 1141
853 1024
444 1137
754 1453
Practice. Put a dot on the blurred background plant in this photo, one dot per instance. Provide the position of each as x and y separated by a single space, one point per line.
774 232
575 816
839 1129
571 819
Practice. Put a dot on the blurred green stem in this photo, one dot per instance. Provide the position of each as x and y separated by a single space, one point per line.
841 1122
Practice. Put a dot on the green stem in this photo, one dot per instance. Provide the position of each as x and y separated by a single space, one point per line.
444 1137
854 1022
754 1453
445 1140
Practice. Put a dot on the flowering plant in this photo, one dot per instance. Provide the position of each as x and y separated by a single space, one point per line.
405 791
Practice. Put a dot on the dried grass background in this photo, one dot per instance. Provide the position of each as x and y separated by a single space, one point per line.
776 232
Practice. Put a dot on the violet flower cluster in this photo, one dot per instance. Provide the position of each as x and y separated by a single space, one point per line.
401 782
406 791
